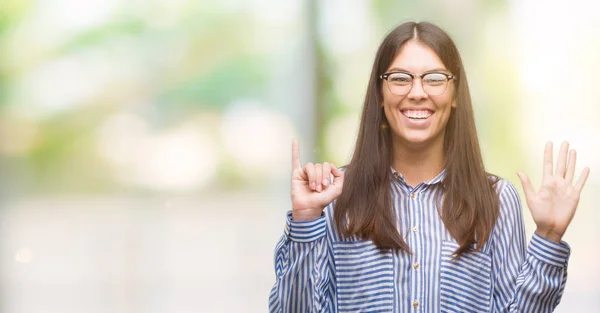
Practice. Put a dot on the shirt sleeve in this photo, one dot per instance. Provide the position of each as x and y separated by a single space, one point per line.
528 279
304 269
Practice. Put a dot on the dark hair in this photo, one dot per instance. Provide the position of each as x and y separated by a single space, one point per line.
470 204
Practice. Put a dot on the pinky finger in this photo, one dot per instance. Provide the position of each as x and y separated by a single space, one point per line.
582 179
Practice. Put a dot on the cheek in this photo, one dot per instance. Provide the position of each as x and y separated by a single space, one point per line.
444 102
384 96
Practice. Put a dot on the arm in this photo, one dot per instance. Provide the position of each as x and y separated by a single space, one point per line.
303 258
305 279
528 279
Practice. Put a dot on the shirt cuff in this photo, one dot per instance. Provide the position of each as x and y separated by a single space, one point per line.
305 231
549 251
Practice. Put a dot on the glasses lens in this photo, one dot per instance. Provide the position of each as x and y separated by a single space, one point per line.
399 83
434 84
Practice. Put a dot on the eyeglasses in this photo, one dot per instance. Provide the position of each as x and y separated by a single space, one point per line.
400 83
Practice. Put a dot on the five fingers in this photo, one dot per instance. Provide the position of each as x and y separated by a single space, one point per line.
565 166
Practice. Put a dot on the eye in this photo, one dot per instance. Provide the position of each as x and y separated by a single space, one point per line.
400 78
434 79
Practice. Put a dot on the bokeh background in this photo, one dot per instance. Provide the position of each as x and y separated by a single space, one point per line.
145 144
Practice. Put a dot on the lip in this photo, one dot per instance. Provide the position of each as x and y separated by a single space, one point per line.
416 123
417 109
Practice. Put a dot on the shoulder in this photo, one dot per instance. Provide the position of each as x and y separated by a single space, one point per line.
511 211
507 194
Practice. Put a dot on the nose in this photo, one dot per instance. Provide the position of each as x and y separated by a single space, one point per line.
416 91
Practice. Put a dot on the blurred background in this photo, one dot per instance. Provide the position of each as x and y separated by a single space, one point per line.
145 144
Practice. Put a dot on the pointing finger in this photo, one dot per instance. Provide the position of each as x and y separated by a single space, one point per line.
295 154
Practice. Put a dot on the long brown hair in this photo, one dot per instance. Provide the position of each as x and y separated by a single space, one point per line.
470 204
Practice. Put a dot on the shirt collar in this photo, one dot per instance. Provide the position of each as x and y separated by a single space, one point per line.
434 181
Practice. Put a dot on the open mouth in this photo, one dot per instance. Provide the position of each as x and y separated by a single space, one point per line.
417 114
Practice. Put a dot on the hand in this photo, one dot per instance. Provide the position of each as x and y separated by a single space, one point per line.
311 190
553 207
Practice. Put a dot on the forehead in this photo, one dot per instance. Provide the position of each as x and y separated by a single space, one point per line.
416 57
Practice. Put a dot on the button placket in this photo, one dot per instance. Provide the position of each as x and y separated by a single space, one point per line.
413 205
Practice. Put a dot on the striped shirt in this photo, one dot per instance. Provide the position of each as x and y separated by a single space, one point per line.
317 270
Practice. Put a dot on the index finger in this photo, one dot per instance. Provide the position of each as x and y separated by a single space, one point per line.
295 155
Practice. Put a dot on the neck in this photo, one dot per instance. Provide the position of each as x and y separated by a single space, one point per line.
418 163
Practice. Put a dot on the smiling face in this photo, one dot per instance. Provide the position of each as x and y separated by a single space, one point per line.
418 119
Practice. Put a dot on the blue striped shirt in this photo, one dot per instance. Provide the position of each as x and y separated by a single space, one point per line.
317 270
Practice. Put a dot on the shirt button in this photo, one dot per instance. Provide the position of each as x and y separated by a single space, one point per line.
414 229
412 195
416 304
396 175
416 266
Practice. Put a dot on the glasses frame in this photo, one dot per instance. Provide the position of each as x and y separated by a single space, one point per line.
385 77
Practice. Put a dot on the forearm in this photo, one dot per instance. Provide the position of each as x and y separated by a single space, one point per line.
303 274
541 281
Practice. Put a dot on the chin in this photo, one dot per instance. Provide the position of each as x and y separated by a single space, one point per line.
417 140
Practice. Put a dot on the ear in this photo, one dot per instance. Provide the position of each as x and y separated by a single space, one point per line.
453 104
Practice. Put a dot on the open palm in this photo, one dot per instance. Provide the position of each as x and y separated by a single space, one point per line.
554 205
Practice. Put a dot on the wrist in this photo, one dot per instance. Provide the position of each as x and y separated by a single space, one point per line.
549 234
304 216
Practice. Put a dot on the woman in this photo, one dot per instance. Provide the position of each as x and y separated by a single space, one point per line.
420 225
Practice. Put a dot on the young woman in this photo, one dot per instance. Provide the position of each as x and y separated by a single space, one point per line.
417 224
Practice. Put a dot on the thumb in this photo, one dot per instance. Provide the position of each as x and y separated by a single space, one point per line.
338 175
527 188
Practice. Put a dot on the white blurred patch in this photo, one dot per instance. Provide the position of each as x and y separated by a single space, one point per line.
257 137
119 136
183 158
67 16
558 62
180 159
345 26
24 255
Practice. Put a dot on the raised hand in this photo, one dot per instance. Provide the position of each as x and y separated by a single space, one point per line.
311 190
554 205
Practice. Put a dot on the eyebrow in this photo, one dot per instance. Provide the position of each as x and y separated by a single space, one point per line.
397 69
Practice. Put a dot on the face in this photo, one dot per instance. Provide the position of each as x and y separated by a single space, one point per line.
418 119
